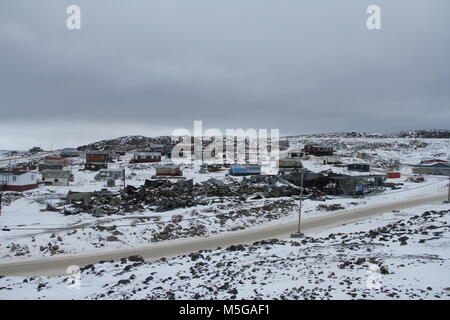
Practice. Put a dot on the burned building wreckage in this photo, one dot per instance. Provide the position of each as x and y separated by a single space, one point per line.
165 195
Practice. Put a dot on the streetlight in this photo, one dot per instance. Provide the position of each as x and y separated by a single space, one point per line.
298 234
448 199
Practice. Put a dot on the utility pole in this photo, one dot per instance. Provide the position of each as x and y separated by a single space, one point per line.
448 199
123 172
298 234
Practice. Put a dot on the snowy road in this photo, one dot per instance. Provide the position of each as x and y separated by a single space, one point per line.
58 265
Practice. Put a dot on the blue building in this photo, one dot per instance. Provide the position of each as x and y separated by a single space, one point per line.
245 170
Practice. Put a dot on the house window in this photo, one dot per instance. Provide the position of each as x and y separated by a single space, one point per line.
14 178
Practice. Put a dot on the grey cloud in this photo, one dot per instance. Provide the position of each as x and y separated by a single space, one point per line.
152 66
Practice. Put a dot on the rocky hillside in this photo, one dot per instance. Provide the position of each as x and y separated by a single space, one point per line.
126 143
424 134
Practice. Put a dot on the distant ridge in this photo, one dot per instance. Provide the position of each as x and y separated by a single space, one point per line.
424 134
137 141
126 142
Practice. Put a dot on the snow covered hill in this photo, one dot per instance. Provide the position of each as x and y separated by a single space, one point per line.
401 255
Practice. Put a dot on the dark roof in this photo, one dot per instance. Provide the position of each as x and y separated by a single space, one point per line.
13 173
434 165
365 176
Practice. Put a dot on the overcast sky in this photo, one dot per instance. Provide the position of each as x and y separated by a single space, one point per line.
148 67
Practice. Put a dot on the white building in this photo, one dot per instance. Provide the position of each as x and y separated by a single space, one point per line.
56 177
17 180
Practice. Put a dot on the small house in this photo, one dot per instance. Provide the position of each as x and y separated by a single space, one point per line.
24 167
17 180
52 163
120 151
319 150
69 153
168 170
110 174
298 154
49 166
433 168
289 163
98 156
96 160
56 177
156 147
55 160
36 150
145 157
245 170
361 167
431 161
327 160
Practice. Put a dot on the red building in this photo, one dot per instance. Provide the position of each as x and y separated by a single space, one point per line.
319 150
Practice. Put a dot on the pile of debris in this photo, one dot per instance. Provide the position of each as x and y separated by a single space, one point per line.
165 195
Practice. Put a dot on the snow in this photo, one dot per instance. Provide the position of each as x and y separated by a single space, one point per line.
295 272
344 263
34 234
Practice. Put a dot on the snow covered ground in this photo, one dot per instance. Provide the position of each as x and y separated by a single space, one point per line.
321 266
34 234
407 151
399 255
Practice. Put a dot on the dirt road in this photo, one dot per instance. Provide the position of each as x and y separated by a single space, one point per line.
58 265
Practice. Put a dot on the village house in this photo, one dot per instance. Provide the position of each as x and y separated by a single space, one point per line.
168 170
431 161
319 150
433 168
145 157
290 163
17 180
110 174
156 147
96 160
36 150
327 160
55 160
69 153
56 177
24 167
98 156
52 163
120 151
298 154
245 169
